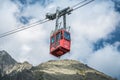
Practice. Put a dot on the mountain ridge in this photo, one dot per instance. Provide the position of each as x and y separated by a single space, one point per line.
52 70
6 62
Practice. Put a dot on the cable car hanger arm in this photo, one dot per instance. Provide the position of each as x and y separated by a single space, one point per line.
68 10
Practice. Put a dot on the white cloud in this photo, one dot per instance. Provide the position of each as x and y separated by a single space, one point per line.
95 21
7 20
106 60
26 48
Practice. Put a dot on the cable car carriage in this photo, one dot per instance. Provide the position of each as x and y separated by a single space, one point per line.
60 42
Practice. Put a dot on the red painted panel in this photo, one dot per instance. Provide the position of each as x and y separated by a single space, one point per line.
60 47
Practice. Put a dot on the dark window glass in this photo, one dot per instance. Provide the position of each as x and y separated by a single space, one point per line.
67 35
52 40
58 36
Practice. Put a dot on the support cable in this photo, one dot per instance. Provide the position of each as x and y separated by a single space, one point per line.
75 7
23 28
78 3
83 4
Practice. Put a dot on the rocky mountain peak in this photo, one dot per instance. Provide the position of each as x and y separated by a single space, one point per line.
68 70
6 62
51 70
3 53
19 67
6 58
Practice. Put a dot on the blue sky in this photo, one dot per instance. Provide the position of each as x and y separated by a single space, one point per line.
114 36
95 31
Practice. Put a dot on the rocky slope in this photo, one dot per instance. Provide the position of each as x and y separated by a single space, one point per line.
6 62
67 70
54 70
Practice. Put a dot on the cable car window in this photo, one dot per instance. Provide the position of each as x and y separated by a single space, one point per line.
52 40
58 36
67 35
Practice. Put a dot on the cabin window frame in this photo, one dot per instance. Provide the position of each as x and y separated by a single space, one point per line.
52 40
67 34
58 36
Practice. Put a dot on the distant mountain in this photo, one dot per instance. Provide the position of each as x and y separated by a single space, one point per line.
6 62
67 70
53 70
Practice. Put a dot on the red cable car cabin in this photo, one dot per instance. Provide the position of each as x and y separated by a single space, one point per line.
60 43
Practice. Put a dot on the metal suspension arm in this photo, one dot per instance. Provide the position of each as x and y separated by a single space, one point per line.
57 19
61 13
64 21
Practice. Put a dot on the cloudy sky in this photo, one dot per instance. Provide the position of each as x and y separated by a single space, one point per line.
95 32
